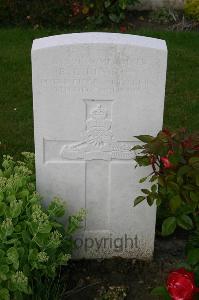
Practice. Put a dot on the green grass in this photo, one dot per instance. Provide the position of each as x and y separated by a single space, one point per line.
16 118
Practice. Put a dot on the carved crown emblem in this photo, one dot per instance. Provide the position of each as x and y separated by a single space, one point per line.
99 112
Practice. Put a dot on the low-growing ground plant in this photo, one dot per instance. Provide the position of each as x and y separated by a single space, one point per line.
33 244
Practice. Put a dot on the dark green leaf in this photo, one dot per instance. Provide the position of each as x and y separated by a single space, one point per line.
175 202
193 256
137 147
168 226
142 179
145 138
161 291
173 186
194 160
138 200
145 191
150 200
183 170
194 197
185 222
154 188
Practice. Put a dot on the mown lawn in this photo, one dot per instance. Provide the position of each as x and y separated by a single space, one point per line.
16 118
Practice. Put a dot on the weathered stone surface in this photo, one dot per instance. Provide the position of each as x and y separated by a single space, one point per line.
93 92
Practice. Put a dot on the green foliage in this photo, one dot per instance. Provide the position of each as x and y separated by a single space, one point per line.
33 244
62 13
37 12
161 291
174 159
191 9
102 11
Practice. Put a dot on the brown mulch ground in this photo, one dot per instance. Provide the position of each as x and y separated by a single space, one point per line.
90 280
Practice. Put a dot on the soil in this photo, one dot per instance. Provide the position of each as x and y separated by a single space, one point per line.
119 279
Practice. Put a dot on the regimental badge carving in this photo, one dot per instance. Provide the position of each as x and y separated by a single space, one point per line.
98 141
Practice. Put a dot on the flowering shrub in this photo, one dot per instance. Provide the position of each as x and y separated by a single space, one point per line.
32 243
102 11
62 13
174 161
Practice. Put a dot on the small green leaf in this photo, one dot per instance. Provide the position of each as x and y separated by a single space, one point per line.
161 291
194 197
185 222
154 178
137 147
145 138
173 186
194 160
4 294
13 257
114 18
154 188
138 200
168 226
107 3
150 200
145 191
142 179
175 202
2 208
193 256
183 170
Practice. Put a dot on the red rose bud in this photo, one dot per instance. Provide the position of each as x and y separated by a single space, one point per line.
196 147
181 285
123 29
166 132
170 152
76 8
166 163
187 143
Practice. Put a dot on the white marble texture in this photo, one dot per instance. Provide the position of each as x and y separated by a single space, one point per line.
92 93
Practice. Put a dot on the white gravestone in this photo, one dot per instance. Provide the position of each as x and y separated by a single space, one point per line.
93 92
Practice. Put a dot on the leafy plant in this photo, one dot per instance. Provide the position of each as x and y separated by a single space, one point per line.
191 9
33 244
174 160
102 11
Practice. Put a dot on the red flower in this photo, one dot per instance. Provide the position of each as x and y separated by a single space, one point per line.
170 152
166 132
187 143
166 162
123 28
196 147
76 8
181 285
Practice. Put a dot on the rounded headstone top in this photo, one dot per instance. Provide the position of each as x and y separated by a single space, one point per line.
98 38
